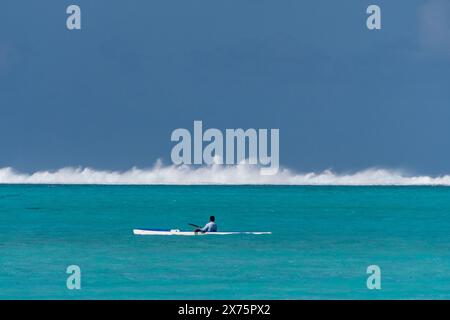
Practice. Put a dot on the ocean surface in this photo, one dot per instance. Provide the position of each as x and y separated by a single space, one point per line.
323 240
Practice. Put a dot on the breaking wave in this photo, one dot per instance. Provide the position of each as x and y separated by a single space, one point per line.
216 175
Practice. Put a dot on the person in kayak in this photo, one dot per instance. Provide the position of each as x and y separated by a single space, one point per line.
211 226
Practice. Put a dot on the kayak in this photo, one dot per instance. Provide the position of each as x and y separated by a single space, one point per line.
177 232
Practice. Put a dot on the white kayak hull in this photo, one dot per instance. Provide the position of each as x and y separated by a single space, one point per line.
176 232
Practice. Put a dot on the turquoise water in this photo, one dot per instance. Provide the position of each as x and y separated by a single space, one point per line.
323 240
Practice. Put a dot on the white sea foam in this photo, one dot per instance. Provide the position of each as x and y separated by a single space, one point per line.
216 175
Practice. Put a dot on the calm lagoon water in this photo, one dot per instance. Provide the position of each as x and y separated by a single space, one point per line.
323 240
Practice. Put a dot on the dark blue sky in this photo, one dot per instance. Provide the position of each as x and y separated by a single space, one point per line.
109 96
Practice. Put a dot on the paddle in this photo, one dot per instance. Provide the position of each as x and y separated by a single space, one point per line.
194 225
